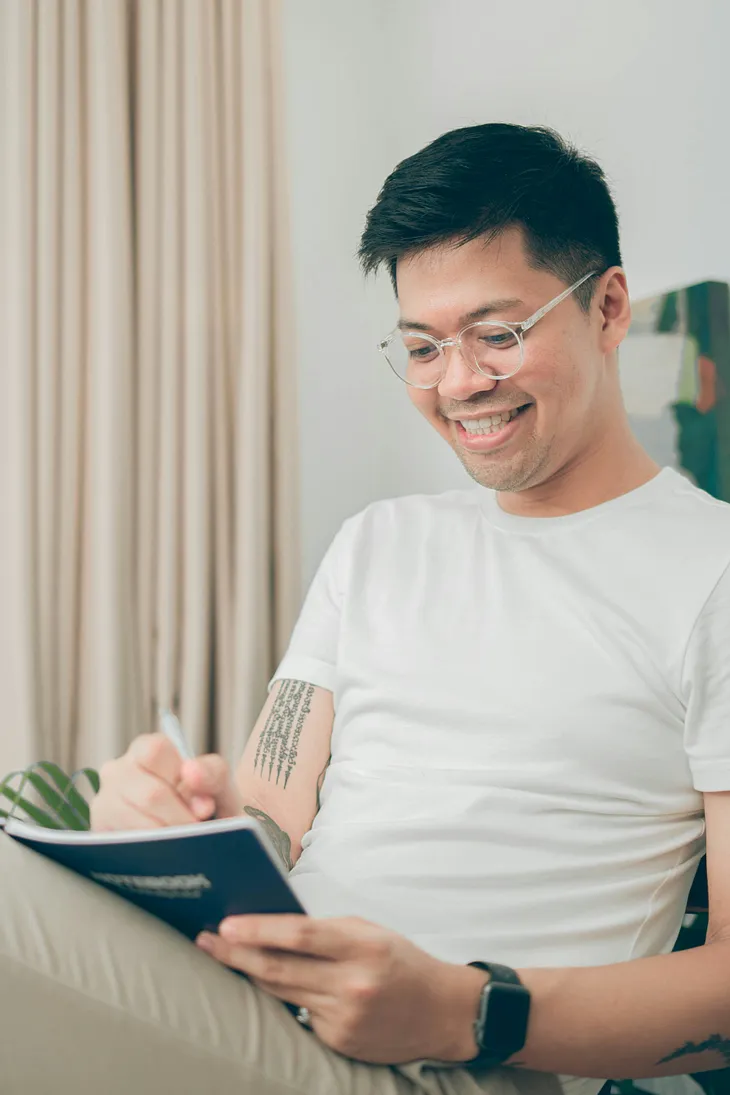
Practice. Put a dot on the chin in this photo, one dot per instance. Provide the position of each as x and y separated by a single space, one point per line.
510 476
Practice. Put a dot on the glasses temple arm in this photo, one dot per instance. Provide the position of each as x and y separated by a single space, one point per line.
525 326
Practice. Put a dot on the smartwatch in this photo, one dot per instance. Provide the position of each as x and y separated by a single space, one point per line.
500 1027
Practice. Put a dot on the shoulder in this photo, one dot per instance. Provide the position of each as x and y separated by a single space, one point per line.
685 496
402 511
691 524
691 531
425 506
394 527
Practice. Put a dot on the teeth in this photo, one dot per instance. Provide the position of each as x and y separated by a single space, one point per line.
490 423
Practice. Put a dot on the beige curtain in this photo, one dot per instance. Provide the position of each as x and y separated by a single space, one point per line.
147 468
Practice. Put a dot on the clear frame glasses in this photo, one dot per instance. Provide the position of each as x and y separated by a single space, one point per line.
494 350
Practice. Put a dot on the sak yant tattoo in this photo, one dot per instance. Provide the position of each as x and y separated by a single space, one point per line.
277 836
276 752
715 1042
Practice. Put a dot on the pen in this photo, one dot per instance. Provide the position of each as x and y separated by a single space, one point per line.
172 730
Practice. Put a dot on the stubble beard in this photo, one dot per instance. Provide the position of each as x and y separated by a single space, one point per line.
501 473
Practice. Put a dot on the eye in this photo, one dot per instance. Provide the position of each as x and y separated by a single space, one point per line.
419 350
422 353
499 340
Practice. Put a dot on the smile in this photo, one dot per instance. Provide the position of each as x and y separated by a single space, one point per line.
491 430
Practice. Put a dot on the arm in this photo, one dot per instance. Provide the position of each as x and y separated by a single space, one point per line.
661 1016
284 763
376 997
285 759
669 1014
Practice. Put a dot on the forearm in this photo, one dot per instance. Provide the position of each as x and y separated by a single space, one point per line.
287 850
284 820
660 1016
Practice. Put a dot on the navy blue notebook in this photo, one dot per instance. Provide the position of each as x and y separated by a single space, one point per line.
192 876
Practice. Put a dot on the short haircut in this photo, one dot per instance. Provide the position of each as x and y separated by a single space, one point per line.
483 179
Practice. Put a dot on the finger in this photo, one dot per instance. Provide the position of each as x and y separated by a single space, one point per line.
156 754
209 778
154 799
203 806
290 972
335 938
118 815
303 998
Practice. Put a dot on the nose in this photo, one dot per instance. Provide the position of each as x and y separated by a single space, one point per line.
459 382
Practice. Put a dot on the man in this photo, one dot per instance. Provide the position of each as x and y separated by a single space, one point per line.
498 734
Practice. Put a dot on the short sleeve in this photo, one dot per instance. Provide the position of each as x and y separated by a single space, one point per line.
312 652
707 684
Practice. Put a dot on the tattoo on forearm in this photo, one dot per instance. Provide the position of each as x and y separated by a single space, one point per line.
277 747
320 781
277 836
715 1042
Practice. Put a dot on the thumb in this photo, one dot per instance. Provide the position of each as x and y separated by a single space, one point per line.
209 780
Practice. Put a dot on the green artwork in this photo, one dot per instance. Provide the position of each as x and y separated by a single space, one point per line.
675 375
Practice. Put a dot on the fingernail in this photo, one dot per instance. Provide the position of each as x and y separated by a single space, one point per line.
205 941
233 929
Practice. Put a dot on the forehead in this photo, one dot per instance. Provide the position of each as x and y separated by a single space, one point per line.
440 283
455 262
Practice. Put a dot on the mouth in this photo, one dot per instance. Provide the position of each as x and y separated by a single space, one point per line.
491 431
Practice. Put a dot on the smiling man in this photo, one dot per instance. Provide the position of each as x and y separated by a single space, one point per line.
499 741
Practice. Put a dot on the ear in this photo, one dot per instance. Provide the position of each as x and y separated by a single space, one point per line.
612 300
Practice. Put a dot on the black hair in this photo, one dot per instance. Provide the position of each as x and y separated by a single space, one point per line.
481 180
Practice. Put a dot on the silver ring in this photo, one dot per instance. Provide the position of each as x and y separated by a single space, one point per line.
304 1017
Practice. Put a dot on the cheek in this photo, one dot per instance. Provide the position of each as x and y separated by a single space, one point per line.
565 405
559 381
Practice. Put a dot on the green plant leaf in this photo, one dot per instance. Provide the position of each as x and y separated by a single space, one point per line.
74 800
91 775
41 817
5 782
56 802
14 793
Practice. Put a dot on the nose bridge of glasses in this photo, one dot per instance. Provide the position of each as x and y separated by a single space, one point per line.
463 355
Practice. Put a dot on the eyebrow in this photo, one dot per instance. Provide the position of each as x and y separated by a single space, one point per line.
468 317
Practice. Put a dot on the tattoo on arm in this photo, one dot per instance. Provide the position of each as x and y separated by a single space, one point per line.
715 1042
277 747
277 836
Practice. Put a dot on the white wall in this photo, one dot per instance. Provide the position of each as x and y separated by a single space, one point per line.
644 85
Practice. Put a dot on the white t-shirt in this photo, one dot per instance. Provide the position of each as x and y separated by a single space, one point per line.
526 713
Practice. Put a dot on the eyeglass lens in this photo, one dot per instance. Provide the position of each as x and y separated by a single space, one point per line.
488 348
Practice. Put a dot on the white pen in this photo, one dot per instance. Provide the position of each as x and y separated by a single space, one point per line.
172 730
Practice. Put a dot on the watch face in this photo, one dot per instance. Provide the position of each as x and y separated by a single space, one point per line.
505 1025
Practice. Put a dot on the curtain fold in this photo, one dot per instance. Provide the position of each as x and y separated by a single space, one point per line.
147 490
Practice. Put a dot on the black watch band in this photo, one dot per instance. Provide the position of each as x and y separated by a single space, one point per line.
504 974
500 1027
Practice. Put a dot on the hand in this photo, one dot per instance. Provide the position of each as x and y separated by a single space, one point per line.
151 786
372 994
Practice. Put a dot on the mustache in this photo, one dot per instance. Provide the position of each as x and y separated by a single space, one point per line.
484 407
